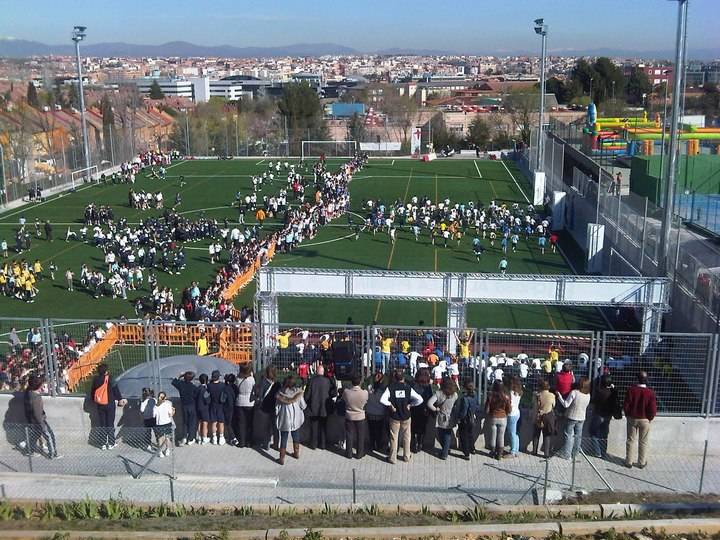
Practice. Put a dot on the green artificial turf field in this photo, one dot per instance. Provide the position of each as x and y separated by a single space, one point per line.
211 187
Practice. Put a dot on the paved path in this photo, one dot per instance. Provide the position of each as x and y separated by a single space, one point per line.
212 474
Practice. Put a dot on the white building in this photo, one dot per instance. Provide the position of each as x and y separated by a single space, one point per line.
169 87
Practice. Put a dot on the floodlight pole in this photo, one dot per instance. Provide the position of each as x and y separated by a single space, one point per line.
77 36
662 138
3 193
542 30
674 139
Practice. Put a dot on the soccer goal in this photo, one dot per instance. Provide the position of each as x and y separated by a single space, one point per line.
86 174
329 149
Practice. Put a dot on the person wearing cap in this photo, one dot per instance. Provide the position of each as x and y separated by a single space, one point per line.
188 402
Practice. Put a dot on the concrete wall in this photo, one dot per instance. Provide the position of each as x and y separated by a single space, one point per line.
681 435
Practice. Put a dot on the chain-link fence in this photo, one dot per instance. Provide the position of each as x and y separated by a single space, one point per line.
300 347
25 352
679 367
99 451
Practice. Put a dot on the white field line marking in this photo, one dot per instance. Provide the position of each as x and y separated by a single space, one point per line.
393 163
514 180
27 208
260 162
477 168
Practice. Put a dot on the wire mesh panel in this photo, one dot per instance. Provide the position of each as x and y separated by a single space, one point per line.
679 367
80 346
23 352
535 355
119 451
454 353
299 347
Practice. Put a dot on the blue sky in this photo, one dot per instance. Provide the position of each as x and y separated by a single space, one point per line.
461 25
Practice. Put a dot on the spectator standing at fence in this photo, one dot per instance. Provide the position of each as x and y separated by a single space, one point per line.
37 420
605 406
267 392
244 401
106 396
497 409
442 404
289 416
640 408
218 399
376 414
188 401
513 420
468 418
419 415
545 420
163 413
319 395
355 399
229 408
399 398
564 380
576 405
203 409
147 408
201 345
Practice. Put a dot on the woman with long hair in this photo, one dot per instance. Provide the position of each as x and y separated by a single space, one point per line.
163 413
576 406
497 408
419 415
289 416
442 404
513 419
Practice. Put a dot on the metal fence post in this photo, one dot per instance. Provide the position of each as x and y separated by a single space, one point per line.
545 481
702 471
28 448
354 485
572 476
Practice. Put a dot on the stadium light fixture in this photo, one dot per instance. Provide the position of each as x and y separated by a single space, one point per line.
541 30
78 35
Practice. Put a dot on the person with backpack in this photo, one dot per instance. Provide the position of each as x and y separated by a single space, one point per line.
605 406
267 392
188 401
442 403
545 419
399 398
497 409
106 396
218 398
244 410
469 416
203 409
37 420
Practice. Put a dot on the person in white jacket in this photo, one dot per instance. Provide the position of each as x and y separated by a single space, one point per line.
164 412
289 416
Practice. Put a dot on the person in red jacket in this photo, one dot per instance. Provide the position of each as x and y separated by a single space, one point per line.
640 409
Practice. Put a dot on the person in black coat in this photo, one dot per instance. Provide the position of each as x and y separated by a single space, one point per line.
419 415
106 395
218 398
319 396
188 402
266 391
229 407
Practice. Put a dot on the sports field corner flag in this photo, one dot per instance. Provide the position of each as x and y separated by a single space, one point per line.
415 139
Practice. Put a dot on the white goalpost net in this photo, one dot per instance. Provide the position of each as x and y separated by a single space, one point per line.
329 149
86 174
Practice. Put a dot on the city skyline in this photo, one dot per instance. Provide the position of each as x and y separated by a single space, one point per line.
372 26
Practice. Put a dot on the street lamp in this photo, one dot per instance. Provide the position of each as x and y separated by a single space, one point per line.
664 120
541 30
78 34
591 81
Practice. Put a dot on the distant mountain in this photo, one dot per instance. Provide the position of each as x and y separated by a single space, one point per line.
19 48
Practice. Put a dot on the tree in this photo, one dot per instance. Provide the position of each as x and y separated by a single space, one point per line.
637 85
108 117
356 128
563 92
301 108
521 105
478 133
73 99
32 96
401 111
583 76
602 77
17 130
155 91
441 136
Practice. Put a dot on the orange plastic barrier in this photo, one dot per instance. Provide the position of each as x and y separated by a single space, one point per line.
239 283
87 363
235 345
